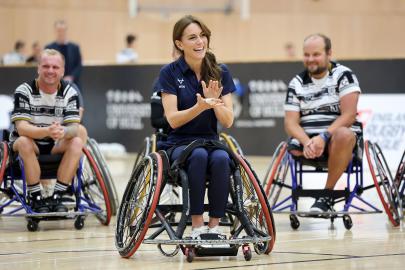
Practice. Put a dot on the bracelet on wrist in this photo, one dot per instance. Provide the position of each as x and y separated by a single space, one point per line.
325 136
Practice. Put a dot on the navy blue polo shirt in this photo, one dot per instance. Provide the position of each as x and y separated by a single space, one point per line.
178 79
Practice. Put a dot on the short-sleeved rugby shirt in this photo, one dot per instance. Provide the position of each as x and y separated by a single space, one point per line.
178 79
319 105
40 109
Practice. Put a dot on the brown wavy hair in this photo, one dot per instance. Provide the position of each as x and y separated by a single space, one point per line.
210 70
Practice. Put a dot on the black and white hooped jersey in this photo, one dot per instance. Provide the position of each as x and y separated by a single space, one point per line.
41 109
318 103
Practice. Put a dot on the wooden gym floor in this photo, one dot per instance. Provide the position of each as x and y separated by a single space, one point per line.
372 243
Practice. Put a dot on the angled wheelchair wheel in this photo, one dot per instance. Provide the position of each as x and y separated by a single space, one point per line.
3 159
94 189
231 142
276 174
256 206
105 174
384 183
138 205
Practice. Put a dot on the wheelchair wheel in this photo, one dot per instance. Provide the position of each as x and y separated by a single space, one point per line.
105 174
256 206
276 174
94 190
138 205
231 143
383 181
3 159
148 146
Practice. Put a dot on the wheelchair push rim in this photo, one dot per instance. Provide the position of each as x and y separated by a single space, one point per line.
382 177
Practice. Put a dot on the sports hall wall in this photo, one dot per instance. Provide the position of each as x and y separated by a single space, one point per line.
360 29
117 101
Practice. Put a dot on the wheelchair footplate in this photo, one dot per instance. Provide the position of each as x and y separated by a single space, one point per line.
56 215
211 245
329 214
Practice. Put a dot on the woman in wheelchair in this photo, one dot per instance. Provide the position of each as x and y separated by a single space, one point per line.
196 93
46 121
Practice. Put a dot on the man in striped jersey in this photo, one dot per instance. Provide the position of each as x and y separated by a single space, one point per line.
46 121
320 112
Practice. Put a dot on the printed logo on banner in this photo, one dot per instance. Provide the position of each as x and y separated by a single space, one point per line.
266 102
383 121
125 109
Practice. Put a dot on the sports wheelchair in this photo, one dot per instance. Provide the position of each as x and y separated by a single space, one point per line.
284 202
249 216
88 192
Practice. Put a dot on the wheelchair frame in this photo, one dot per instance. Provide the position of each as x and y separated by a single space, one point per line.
87 186
275 180
139 211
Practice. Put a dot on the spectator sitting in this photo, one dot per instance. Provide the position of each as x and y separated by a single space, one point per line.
36 52
17 56
128 55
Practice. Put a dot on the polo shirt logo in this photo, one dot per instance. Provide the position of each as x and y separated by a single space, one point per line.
181 83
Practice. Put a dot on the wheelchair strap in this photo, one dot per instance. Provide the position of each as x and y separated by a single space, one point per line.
207 144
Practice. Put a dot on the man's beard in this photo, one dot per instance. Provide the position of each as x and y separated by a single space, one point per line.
318 70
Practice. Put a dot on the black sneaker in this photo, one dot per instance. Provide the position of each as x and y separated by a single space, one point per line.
56 203
39 204
322 204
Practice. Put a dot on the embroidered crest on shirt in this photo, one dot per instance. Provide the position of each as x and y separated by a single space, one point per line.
181 83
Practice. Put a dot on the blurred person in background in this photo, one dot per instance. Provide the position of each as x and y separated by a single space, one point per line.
71 52
36 52
128 55
17 56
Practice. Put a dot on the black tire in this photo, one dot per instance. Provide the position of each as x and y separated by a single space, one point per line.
190 254
247 253
138 205
347 221
105 174
32 225
94 190
294 222
79 222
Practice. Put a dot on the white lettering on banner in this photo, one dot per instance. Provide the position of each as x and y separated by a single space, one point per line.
266 98
255 123
383 118
125 109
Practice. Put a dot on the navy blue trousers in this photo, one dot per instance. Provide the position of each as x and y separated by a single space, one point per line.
214 163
